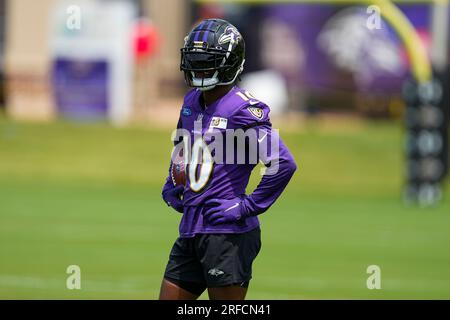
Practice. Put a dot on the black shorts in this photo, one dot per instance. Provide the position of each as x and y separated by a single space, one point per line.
213 260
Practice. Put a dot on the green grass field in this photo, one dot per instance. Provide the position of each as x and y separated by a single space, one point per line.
89 195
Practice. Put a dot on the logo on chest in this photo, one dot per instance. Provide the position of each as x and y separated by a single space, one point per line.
186 111
218 122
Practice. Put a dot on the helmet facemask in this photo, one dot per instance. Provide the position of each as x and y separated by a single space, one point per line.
201 68
205 69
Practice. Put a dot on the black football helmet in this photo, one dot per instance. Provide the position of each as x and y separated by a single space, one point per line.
213 54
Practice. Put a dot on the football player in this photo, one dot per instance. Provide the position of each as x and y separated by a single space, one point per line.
219 229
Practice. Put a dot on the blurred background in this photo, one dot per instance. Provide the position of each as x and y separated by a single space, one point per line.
90 91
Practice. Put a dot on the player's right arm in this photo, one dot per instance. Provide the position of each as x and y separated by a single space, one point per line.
171 194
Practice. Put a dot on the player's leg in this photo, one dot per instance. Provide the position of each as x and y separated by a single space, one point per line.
172 291
236 292
227 262
183 278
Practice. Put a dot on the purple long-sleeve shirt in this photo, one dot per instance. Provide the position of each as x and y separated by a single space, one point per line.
222 171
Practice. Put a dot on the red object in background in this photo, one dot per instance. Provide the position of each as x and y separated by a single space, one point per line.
425 37
209 11
146 39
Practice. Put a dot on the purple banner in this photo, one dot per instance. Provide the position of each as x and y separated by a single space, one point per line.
334 48
81 88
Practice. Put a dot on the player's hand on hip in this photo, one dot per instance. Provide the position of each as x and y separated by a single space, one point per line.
173 198
223 211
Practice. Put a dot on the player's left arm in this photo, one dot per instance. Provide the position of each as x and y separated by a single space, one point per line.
280 167
276 157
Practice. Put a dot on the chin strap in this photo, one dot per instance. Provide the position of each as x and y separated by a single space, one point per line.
202 87
241 68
